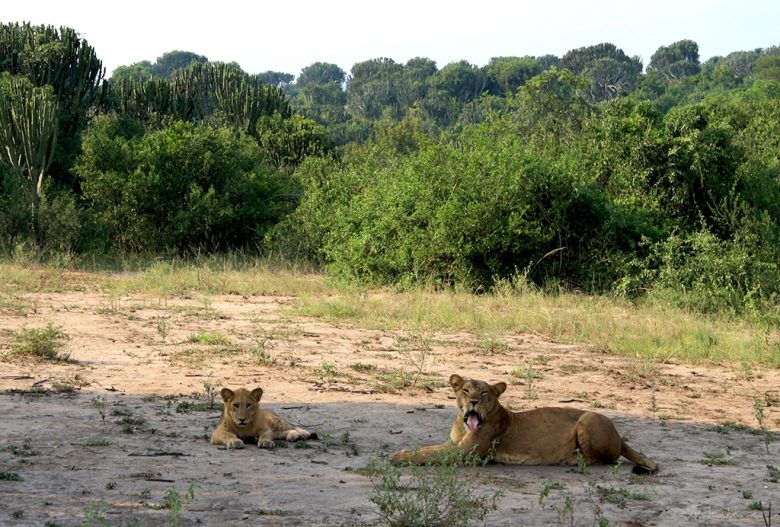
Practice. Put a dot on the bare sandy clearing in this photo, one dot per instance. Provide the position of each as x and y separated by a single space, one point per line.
366 392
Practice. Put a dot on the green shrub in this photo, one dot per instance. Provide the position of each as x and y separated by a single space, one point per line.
183 188
47 343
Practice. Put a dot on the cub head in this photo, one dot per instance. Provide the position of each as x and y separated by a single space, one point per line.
241 405
476 399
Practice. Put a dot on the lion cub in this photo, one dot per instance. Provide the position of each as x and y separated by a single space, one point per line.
544 436
242 418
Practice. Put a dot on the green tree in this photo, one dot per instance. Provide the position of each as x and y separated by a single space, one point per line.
506 74
676 61
321 73
609 71
169 63
137 71
372 88
28 135
59 58
182 188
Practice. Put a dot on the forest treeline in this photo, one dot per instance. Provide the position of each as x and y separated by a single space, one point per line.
591 171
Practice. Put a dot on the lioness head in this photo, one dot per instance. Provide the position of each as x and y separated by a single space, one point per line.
476 399
241 404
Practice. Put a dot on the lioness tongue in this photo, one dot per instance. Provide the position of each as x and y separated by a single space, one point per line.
472 422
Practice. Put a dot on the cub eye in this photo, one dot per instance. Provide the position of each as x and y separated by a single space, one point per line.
484 394
248 405
235 405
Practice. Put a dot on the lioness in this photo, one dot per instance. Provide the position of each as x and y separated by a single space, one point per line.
544 436
242 418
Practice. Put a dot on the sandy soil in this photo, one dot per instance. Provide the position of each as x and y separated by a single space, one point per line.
365 392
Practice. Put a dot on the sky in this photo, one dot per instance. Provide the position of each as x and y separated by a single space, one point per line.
289 35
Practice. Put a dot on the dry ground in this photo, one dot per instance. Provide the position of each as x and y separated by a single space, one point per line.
152 361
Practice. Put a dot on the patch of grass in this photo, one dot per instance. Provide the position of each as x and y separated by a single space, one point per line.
363 368
17 515
24 450
649 330
186 407
716 459
266 512
547 486
774 473
10 476
391 381
47 343
619 495
96 442
326 372
209 338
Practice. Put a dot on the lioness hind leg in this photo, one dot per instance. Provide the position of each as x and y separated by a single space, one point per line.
597 439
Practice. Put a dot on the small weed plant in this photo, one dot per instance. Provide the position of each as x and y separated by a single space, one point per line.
435 495
47 343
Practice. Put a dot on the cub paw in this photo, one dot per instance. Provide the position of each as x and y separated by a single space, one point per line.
294 435
234 443
262 443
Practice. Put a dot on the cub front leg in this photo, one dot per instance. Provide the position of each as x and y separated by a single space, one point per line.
223 437
266 440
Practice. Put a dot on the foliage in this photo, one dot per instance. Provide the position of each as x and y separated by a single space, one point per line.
182 188
28 134
61 59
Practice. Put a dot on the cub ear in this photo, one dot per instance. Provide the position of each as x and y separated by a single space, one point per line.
256 394
498 388
456 381
227 394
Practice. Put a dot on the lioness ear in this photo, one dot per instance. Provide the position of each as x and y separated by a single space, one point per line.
227 394
256 394
456 381
498 388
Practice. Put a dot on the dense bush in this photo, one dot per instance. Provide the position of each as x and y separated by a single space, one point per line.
185 187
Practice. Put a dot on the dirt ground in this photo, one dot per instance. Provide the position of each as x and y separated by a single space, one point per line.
153 362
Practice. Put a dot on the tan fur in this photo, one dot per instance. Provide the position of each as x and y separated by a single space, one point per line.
242 418
544 436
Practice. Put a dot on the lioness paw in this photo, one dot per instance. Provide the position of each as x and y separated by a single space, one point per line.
294 435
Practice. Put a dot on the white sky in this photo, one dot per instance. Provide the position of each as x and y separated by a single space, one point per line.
285 35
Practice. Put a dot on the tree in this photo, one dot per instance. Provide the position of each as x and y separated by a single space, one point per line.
28 134
609 71
276 78
460 80
414 81
505 74
321 73
59 58
136 71
373 87
676 61
169 63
